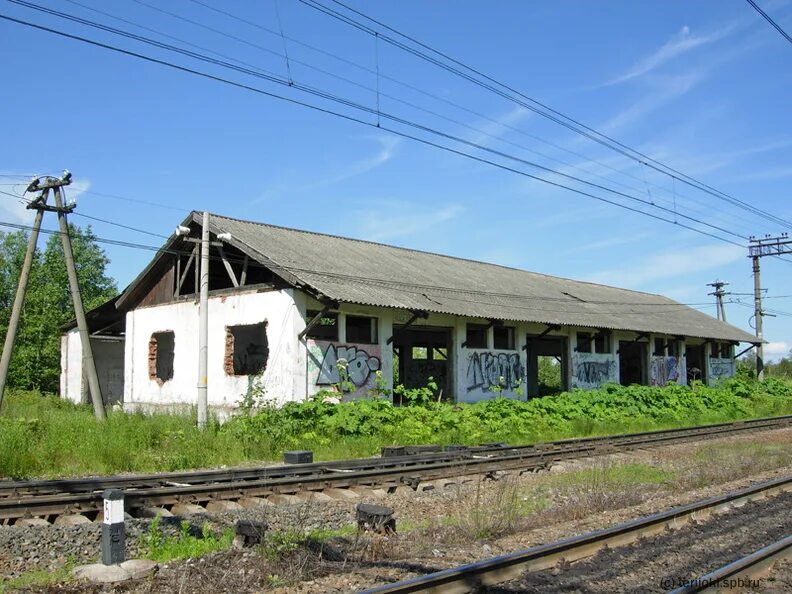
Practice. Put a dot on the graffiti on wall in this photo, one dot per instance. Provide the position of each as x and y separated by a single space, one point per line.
326 359
720 369
665 370
486 371
592 370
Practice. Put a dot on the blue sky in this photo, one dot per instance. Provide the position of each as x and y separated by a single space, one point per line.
701 86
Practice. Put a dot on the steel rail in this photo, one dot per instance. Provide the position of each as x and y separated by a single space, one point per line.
20 499
747 568
470 577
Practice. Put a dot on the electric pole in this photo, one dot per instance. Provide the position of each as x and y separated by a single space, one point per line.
758 248
719 293
19 299
44 185
203 324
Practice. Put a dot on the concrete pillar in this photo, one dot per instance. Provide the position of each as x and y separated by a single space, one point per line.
384 332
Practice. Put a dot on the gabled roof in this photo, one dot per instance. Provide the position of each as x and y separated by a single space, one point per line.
368 273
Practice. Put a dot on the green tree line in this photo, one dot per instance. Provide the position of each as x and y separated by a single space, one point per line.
36 359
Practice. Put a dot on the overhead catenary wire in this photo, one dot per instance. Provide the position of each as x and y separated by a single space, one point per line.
652 201
507 92
366 109
384 76
416 288
770 20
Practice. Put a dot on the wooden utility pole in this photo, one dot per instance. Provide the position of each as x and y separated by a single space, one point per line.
45 184
19 299
758 248
719 294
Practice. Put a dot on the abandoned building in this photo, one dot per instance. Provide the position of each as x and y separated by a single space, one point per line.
292 312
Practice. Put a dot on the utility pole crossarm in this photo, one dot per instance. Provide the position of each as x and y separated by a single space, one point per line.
757 249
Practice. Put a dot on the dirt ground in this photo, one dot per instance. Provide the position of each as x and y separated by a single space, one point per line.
476 519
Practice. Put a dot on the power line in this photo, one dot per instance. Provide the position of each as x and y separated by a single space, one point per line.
527 102
289 81
384 76
411 287
366 109
767 17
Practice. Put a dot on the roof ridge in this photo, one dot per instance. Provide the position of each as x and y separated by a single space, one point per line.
458 258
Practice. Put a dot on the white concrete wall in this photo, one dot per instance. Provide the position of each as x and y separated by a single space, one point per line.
278 309
71 377
317 370
478 372
109 360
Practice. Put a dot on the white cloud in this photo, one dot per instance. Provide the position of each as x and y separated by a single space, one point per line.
397 218
609 242
681 43
14 210
776 350
670 264
764 174
386 150
667 89
501 125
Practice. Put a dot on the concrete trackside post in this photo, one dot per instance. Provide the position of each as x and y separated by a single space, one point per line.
113 529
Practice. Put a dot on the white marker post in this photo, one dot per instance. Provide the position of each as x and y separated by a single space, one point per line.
113 529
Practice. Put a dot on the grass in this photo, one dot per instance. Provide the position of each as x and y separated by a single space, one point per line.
44 436
38 578
163 547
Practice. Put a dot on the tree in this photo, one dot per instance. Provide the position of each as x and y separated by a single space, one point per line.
36 360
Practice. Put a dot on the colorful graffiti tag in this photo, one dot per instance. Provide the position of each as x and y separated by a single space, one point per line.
326 359
486 371
720 369
665 370
592 370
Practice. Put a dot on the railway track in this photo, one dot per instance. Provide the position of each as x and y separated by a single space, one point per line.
50 498
482 575
742 571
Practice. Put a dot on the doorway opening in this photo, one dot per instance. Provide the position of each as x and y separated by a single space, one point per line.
632 363
694 362
420 354
546 368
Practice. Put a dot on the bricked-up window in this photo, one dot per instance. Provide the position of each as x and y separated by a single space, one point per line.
361 330
504 337
326 328
247 349
476 337
161 350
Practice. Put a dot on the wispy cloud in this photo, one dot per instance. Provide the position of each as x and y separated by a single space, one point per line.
608 243
387 148
14 210
397 218
680 43
503 124
665 89
670 264
776 350
770 173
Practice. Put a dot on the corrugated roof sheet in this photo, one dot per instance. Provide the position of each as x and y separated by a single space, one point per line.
363 272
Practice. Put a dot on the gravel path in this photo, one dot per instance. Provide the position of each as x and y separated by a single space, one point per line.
664 562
